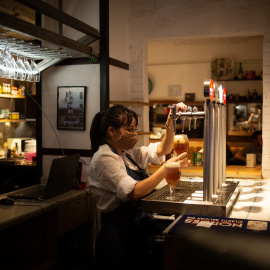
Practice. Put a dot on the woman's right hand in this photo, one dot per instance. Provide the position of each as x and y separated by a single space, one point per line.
182 159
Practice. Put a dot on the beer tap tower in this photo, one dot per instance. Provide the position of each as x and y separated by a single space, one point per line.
218 194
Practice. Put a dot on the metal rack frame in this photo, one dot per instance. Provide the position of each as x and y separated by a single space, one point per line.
67 47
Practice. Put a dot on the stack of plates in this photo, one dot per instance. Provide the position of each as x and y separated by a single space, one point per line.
30 150
30 146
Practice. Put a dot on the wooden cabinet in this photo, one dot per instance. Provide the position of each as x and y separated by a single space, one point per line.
55 234
31 244
17 110
14 98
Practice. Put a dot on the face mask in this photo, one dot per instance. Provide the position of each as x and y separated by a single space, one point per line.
128 140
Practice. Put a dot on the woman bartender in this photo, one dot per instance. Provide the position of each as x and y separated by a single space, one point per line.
118 182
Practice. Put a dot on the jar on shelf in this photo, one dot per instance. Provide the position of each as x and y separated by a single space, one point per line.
4 89
8 90
23 91
14 90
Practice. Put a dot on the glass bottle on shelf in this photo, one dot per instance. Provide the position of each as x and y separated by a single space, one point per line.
240 72
255 94
248 94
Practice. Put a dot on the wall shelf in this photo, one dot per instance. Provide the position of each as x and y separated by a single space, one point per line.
12 121
244 100
11 96
257 78
130 103
171 101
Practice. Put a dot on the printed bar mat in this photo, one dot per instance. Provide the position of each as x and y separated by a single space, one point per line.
231 225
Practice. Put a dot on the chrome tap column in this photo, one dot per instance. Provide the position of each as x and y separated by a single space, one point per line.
214 170
216 197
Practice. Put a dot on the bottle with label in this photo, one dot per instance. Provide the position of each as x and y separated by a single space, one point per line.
4 89
254 94
6 149
23 91
16 149
248 94
240 72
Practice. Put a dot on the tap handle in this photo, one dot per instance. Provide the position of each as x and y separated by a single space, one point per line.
183 125
188 109
195 109
195 122
173 114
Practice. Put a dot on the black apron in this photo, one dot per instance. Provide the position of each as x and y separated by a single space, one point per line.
129 211
125 233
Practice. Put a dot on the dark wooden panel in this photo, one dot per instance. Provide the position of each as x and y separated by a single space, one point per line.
76 61
31 244
104 55
119 64
67 152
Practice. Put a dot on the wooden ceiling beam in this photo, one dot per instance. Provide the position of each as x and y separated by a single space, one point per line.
17 10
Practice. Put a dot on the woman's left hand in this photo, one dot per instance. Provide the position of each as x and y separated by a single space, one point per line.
182 159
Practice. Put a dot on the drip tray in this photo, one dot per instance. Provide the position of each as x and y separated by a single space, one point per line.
190 200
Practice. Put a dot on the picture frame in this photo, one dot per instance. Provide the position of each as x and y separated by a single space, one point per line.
222 69
189 96
71 107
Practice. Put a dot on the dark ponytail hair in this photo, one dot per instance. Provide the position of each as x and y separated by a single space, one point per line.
116 116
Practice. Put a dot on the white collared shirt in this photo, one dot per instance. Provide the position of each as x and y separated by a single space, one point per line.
108 179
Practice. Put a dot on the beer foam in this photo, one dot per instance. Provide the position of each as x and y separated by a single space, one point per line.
172 165
180 138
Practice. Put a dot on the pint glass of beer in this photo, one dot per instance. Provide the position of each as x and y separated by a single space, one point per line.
172 176
180 144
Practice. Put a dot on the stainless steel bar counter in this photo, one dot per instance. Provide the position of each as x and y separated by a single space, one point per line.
238 241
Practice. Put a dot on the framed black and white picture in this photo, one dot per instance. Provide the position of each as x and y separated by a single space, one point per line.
222 69
71 107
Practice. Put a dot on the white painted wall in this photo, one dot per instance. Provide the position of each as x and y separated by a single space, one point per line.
150 20
118 30
73 75
78 75
118 49
187 63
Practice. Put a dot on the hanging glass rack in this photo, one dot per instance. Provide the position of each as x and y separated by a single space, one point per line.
63 47
28 49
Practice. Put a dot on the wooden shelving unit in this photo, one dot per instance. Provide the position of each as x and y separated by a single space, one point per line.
11 96
130 103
